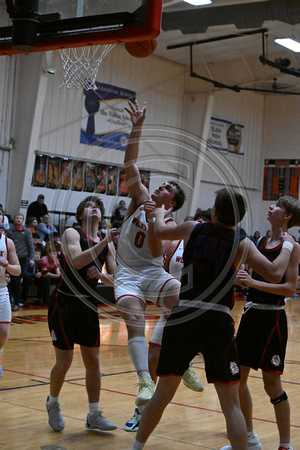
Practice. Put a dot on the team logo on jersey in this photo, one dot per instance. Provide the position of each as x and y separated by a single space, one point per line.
53 336
276 361
234 368
138 223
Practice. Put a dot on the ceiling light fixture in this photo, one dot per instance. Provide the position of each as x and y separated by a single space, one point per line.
289 43
198 2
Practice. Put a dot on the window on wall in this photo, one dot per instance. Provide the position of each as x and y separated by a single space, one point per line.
281 177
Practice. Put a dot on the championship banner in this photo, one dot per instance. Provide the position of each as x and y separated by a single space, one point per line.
104 119
225 136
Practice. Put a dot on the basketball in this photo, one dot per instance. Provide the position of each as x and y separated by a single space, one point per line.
141 49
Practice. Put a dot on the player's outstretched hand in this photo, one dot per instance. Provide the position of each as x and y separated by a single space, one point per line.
112 234
137 114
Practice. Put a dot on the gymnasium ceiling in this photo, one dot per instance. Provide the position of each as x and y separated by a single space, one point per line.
184 24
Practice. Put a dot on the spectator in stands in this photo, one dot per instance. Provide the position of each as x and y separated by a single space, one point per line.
256 237
188 218
33 225
45 228
49 266
37 209
5 223
119 214
202 215
54 244
23 241
38 243
32 276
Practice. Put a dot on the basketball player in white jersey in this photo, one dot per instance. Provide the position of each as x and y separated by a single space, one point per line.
8 263
139 275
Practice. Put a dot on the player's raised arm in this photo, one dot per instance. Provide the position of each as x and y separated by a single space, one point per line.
137 190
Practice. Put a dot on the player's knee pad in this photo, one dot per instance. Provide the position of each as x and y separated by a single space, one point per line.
279 399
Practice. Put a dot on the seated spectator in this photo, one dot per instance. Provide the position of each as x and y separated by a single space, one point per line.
49 266
38 243
32 275
119 214
45 228
188 218
33 226
54 244
256 237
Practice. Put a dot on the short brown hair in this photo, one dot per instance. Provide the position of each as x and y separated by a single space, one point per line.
292 206
179 195
83 203
230 206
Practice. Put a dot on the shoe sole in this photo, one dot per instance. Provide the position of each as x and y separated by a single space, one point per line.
132 429
193 389
100 429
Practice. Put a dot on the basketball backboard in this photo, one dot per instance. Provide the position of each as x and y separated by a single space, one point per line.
41 25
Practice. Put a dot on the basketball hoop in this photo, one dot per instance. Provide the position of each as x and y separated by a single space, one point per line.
81 65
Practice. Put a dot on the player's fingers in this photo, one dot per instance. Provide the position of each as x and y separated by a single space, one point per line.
129 112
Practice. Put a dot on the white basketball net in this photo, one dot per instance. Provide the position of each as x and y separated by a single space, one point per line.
81 65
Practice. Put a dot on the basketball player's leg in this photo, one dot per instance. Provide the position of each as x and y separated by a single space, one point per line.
57 376
228 394
5 321
245 397
132 311
90 357
153 411
95 420
59 370
171 296
4 333
279 399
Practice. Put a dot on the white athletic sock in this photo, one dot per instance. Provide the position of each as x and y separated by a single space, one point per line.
138 352
52 400
137 445
93 408
250 434
285 445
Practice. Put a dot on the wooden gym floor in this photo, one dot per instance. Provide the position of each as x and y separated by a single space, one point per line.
192 420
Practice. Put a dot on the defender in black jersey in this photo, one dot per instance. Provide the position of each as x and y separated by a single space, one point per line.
202 321
263 332
73 314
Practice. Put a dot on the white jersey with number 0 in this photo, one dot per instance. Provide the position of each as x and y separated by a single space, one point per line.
133 251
